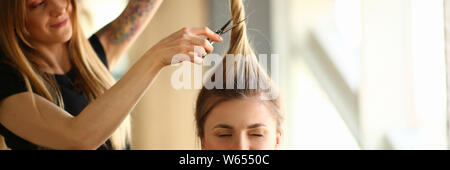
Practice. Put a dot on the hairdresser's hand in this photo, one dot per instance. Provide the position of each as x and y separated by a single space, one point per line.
183 42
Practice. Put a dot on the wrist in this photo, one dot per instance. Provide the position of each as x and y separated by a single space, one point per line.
153 62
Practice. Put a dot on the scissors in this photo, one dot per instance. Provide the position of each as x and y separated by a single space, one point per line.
224 30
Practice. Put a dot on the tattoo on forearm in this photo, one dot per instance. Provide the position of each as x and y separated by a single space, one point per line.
130 22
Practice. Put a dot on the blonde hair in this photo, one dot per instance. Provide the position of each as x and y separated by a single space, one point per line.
91 75
239 46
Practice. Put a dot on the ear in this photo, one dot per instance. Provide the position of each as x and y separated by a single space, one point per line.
278 142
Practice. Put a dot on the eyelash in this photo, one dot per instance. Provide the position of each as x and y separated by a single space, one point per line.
229 135
37 5
257 135
224 135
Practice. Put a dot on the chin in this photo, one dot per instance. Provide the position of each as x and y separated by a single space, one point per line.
63 34
65 37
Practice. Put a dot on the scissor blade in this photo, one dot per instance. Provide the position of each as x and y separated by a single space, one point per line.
234 26
224 26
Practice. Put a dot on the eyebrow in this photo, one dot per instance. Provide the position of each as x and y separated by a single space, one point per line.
256 125
225 126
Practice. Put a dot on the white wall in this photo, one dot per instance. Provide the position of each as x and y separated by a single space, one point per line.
403 79
164 118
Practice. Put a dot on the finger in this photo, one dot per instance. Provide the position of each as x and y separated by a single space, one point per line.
205 31
200 51
197 41
185 49
195 58
194 54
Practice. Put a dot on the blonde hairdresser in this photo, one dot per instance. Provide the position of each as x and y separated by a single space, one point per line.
40 37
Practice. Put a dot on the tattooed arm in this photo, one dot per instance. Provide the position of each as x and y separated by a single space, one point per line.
118 36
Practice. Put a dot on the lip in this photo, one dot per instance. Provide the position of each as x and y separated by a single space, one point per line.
60 24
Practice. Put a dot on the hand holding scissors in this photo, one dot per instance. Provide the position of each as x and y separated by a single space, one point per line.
224 30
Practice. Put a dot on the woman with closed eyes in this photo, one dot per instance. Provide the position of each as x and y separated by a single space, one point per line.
239 118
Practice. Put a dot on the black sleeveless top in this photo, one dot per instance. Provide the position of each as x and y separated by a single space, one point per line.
12 82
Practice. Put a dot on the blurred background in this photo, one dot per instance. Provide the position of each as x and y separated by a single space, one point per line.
354 74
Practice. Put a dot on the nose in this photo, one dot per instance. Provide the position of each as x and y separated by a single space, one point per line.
241 142
58 7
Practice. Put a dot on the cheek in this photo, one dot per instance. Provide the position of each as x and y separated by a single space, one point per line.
214 143
269 142
34 24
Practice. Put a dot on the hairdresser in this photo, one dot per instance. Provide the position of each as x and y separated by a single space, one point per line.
56 90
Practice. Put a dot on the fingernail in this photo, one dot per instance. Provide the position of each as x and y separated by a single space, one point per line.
220 38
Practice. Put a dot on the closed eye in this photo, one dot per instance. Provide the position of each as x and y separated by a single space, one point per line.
224 135
256 135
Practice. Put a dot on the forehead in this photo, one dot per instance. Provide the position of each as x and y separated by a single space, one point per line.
240 114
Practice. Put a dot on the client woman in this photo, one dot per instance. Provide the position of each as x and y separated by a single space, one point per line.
239 118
